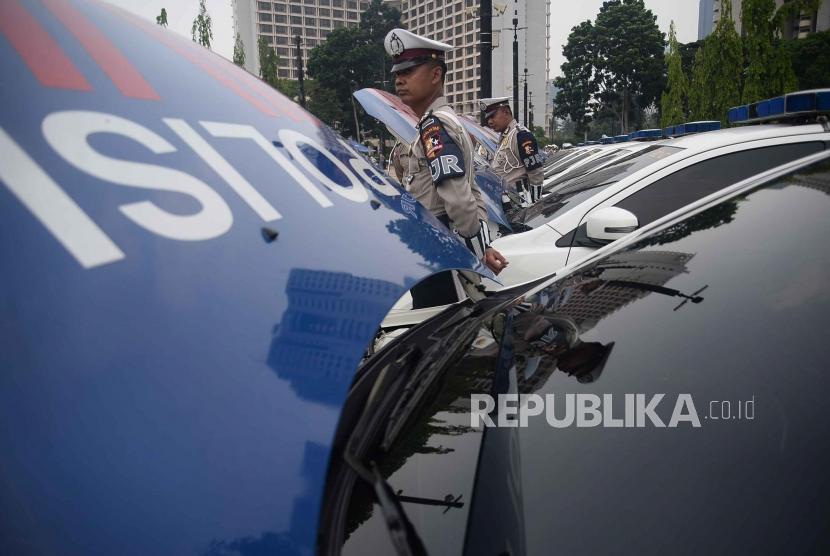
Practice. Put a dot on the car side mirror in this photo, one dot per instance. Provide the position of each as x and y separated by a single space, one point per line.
610 223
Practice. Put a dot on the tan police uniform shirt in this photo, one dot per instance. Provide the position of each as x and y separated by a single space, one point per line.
517 156
458 197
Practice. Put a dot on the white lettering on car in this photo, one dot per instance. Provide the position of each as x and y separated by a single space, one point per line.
221 166
68 132
292 140
56 210
241 131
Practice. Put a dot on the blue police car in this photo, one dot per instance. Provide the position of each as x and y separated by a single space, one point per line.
192 267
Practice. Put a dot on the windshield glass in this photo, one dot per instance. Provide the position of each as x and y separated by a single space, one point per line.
578 188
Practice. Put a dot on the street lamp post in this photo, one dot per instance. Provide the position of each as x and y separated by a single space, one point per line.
516 62
525 99
298 42
530 105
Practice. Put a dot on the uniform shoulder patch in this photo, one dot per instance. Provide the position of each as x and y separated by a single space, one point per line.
445 157
528 150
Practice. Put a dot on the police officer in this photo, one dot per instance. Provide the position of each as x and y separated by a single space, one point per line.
437 168
517 158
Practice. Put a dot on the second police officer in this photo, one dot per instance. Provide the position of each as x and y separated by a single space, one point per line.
517 158
437 168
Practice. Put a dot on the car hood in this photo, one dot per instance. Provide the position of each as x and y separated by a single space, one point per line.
193 267
401 121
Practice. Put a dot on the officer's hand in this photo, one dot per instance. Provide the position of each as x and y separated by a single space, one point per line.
494 260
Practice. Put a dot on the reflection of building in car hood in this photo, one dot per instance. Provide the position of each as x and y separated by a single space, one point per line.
163 253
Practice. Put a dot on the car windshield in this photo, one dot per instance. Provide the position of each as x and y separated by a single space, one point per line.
575 190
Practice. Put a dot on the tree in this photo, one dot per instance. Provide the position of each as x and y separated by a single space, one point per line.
700 88
674 97
323 103
351 59
811 60
722 65
268 62
239 51
202 31
577 85
161 19
769 70
629 49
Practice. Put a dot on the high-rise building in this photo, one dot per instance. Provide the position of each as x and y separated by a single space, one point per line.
533 36
279 21
457 22
705 18
797 27
454 22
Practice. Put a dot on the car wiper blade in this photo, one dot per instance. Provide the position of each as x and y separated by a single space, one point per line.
428 369
403 535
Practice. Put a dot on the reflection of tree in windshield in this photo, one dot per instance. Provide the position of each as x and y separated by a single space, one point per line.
428 432
718 215
816 178
548 327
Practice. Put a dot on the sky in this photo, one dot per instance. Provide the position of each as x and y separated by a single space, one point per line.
565 14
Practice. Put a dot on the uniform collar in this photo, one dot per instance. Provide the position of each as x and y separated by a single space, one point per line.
510 127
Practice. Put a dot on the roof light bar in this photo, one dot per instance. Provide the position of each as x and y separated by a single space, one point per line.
792 105
645 135
691 127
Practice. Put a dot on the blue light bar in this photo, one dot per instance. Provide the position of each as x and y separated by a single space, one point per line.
606 140
691 127
620 138
801 103
645 134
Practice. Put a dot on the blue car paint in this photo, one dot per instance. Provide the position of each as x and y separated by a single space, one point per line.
183 397
400 124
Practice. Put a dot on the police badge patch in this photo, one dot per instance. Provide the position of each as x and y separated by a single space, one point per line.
445 157
528 151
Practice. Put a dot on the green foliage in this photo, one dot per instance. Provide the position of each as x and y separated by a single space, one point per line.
688 52
700 88
723 64
541 138
161 19
577 85
323 103
769 70
629 58
268 62
202 31
811 60
674 97
351 59
238 51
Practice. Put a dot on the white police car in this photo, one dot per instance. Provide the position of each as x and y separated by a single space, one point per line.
577 216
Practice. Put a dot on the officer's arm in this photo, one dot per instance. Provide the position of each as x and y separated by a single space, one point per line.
531 158
449 175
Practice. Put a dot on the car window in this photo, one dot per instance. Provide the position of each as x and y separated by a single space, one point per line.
580 188
699 180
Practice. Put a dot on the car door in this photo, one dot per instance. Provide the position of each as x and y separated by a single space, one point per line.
688 181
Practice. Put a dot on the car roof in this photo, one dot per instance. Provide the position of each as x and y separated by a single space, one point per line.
732 135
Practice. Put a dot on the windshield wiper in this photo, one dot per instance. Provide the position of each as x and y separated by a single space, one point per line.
428 369
403 535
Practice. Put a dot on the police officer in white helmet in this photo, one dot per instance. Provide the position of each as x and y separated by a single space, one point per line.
437 168
517 158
